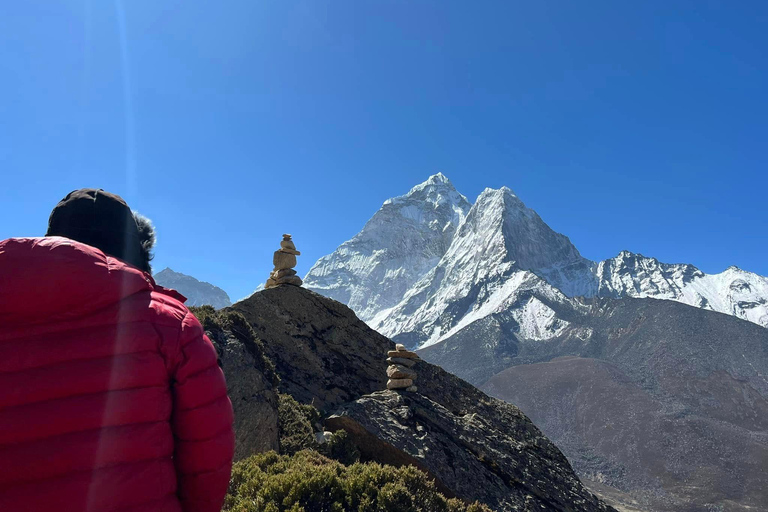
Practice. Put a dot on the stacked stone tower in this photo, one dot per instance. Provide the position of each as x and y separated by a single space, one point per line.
400 370
284 261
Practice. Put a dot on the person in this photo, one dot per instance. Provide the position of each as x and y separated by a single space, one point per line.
111 398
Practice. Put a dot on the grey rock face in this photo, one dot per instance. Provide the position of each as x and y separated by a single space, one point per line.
198 293
500 458
323 353
253 397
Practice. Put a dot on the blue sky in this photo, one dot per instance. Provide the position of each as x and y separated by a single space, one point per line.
626 125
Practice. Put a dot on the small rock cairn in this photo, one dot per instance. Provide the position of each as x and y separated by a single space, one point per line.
284 261
400 370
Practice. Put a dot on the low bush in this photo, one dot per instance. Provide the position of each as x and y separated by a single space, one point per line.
341 448
310 482
296 425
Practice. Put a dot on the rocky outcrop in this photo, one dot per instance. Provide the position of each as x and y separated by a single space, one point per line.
250 383
477 447
323 353
501 459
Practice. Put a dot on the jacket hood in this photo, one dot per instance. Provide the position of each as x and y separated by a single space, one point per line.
55 278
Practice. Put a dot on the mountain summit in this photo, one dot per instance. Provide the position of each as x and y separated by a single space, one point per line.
499 240
198 293
397 247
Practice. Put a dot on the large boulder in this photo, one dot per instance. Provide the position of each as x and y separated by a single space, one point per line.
500 459
323 353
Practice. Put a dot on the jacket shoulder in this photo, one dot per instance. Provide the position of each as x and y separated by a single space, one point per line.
168 309
175 324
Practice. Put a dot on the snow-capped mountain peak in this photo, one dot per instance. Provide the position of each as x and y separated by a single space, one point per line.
499 239
435 189
198 293
636 275
437 193
396 247
530 242
435 181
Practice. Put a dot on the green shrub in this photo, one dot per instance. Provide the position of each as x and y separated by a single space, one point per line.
208 317
309 482
296 423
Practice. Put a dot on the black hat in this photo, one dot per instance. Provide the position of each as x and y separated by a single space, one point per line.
99 219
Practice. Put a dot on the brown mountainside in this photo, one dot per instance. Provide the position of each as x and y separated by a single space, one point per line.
664 402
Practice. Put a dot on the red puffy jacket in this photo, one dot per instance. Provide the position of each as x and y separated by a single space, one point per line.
110 395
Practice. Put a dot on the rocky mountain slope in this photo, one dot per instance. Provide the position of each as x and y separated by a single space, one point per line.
476 447
198 293
492 455
251 380
663 401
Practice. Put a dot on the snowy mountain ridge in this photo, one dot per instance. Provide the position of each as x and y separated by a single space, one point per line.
428 264
734 291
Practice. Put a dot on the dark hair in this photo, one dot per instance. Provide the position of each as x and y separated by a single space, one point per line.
147 239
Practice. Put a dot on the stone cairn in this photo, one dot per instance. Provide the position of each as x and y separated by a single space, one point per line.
400 370
284 261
